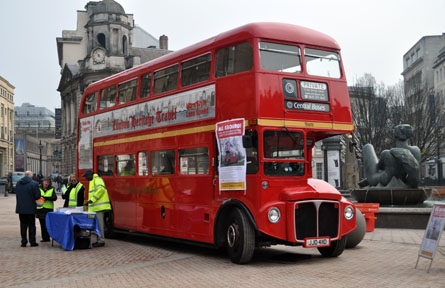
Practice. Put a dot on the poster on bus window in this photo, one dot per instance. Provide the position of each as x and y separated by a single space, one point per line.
86 143
433 232
232 155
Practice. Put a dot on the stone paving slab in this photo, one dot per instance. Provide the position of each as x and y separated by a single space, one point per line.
385 258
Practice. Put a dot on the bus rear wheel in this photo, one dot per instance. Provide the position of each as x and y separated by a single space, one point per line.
240 237
336 248
109 225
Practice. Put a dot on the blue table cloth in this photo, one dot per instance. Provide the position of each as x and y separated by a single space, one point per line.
61 226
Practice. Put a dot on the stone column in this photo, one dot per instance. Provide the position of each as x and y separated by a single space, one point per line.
73 112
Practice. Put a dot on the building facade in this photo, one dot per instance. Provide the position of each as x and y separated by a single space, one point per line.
101 45
6 127
37 149
418 64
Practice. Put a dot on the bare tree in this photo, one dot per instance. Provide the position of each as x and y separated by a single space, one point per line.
371 109
377 109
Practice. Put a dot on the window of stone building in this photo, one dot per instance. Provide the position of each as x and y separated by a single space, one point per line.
166 79
128 91
124 45
101 39
108 97
319 170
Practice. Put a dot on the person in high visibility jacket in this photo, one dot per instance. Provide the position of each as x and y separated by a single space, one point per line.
98 201
49 194
75 193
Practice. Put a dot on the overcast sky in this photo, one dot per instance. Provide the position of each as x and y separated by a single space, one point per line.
373 35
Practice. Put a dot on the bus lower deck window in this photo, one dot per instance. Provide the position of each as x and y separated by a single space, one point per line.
163 162
194 161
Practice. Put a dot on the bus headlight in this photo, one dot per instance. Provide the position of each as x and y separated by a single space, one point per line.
274 215
349 212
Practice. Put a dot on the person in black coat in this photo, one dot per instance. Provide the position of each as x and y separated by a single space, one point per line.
27 192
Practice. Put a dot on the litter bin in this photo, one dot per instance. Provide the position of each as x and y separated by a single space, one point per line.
368 210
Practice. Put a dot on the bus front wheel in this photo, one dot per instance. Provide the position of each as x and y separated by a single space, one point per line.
240 237
336 248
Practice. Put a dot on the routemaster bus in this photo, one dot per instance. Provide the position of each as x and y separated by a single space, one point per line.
149 132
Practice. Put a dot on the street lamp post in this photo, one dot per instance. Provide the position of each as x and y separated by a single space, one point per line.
40 147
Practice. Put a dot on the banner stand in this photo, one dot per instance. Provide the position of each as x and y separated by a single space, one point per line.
432 235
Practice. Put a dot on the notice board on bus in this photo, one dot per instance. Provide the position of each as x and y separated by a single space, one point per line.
232 155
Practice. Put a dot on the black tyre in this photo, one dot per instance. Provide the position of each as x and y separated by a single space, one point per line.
240 237
357 235
109 225
336 248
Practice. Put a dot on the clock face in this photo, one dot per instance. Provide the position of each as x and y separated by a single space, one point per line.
98 56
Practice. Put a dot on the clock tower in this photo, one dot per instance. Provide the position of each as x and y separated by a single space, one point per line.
101 45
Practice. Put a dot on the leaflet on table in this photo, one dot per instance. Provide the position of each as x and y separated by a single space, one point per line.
77 210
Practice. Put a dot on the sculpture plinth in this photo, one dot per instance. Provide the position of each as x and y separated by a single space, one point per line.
392 196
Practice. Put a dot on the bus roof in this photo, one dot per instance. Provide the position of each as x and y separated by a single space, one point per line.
265 30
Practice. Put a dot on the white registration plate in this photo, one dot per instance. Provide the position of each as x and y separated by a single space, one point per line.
316 242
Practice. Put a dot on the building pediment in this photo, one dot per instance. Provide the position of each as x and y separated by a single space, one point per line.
69 71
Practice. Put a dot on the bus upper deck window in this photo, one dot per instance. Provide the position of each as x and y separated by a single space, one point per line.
90 104
108 97
322 63
145 85
234 59
128 91
280 57
196 70
166 79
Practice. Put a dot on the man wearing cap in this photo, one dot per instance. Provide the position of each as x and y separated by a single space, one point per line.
98 201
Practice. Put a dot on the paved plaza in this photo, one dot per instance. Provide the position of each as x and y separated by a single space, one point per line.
385 258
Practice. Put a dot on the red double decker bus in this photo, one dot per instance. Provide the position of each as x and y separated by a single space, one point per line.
149 132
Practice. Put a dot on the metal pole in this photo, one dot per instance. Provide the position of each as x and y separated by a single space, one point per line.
40 147
439 162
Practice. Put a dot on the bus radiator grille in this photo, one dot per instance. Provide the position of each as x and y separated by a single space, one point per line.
306 219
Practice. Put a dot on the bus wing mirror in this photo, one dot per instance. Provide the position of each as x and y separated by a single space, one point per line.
247 141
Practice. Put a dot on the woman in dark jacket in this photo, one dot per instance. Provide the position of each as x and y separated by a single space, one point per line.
49 194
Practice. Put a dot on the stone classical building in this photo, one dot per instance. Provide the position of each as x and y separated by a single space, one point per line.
439 72
103 44
36 147
419 63
6 127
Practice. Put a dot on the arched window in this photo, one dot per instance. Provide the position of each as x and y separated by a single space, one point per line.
101 39
124 45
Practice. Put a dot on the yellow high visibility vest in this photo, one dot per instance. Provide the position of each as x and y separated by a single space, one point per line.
73 195
47 204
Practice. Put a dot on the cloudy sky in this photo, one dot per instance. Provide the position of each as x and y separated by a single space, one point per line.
373 35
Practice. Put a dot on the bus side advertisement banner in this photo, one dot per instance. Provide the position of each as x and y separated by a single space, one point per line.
232 155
